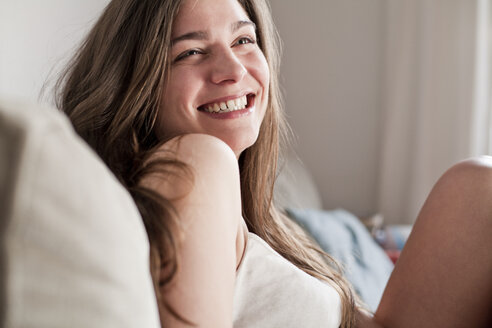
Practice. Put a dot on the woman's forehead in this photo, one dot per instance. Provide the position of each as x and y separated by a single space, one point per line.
202 15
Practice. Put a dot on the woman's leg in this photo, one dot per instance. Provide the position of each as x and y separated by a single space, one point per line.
443 277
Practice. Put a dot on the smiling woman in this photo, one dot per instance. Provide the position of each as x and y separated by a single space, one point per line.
158 89
181 100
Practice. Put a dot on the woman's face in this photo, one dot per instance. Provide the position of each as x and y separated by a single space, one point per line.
219 77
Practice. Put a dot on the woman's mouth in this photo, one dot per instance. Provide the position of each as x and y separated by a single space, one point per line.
230 105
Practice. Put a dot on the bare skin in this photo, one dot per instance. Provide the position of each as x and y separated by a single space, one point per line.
444 275
213 237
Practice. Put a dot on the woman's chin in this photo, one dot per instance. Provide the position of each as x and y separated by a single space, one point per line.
239 144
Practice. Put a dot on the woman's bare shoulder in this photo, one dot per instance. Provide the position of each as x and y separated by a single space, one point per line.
210 211
195 158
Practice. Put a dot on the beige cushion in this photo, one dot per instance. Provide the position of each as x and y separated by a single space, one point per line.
74 249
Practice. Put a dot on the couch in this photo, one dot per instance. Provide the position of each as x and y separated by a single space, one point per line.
74 250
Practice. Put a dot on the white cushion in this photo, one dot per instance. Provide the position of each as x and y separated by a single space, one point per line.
75 251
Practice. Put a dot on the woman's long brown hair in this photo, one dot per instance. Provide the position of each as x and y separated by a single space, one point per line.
111 91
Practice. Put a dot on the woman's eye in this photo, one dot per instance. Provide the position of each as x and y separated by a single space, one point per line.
245 40
188 53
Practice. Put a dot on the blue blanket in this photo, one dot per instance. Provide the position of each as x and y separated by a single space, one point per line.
344 237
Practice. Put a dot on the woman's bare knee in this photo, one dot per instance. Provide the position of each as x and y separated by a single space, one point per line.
467 187
476 169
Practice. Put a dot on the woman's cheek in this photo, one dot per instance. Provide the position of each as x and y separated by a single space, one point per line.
263 69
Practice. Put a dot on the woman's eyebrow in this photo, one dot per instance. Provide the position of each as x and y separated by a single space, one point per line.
203 35
197 35
237 25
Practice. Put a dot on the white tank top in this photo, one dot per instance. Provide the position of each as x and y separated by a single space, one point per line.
271 292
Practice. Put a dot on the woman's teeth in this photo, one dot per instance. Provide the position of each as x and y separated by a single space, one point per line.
227 106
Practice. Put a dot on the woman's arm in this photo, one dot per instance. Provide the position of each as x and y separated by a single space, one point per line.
210 210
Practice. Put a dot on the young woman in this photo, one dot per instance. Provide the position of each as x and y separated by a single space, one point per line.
181 100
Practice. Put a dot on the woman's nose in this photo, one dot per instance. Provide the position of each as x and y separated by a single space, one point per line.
227 68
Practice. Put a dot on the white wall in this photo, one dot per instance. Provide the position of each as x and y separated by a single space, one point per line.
332 74
36 36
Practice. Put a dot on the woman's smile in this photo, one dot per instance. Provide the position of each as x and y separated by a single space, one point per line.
230 107
227 104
